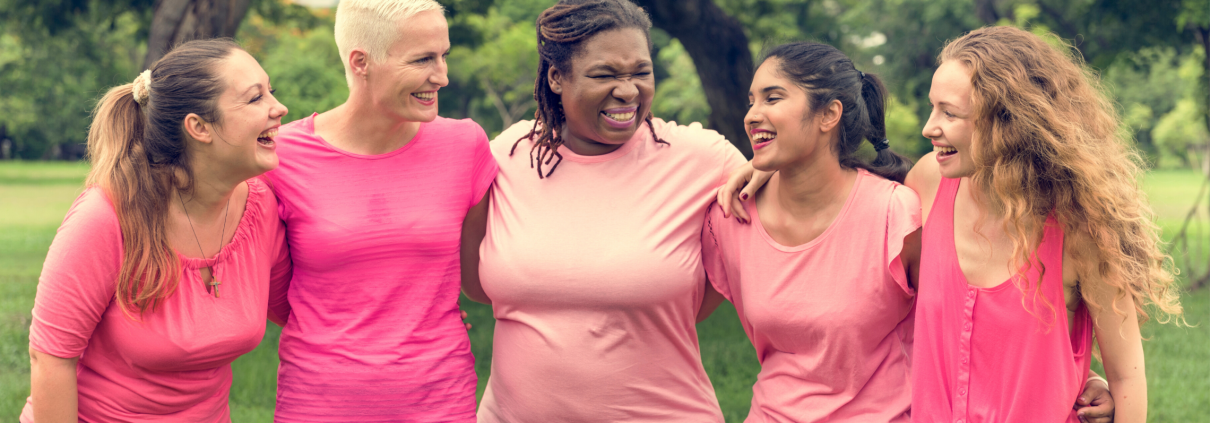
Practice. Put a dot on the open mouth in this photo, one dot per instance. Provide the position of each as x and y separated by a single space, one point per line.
425 97
762 138
943 151
266 138
620 117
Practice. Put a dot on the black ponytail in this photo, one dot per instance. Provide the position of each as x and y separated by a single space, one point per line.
826 74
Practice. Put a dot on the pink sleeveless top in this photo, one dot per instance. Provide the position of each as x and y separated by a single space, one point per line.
980 355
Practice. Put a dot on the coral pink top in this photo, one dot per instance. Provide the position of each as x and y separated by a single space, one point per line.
174 363
831 319
376 333
989 354
595 276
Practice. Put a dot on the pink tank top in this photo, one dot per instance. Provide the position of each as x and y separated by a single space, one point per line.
980 355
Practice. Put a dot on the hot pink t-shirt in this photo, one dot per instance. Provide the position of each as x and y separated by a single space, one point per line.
595 276
174 363
985 355
375 334
830 319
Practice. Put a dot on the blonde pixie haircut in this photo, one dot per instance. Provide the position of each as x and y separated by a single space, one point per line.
373 25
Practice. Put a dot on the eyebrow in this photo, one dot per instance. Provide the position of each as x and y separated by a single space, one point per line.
769 88
610 68
256 86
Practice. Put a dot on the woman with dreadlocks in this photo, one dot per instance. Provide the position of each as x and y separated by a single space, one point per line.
592 255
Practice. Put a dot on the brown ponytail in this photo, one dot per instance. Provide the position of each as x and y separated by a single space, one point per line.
139 158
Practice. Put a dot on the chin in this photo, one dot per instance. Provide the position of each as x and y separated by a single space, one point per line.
421 115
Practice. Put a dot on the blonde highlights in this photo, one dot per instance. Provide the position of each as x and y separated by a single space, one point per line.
1048 140
373 25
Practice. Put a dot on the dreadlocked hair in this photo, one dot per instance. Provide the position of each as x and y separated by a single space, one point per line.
562 29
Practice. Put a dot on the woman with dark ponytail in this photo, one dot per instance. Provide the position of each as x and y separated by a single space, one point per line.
592 257
166 267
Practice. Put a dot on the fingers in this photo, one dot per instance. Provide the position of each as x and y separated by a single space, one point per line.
723 196
1095 404
759 178
740 213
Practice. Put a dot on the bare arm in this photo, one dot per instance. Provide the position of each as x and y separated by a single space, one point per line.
53 387
1121 345
925 178
474 228
710 302
911 258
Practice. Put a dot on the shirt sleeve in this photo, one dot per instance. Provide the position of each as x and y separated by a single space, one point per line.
903 218
712 256
280 275
484 169
79 277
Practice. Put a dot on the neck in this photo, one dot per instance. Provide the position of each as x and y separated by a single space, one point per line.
584 146
212 190
805 188
359 127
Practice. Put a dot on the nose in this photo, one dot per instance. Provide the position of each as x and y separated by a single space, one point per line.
441 78
278 110
626 90
753 118
931 128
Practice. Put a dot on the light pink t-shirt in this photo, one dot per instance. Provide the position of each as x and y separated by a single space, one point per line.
831 319
595 277
376 334
174 363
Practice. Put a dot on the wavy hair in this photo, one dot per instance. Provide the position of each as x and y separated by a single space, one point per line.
139 158
1049 140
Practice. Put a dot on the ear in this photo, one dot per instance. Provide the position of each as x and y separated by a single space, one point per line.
359 63
830 116
198 129
555 80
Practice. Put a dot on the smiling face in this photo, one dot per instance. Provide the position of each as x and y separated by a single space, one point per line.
242 143
405 83
780 124
606 92
951 124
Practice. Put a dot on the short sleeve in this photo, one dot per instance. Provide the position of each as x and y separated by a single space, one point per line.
79 277
712 255
726 155
484 168
903 218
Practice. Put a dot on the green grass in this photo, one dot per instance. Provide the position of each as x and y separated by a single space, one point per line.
35 196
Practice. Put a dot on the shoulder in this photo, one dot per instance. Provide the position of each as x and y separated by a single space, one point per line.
300 127
457 129
503 143
695 140
93 212
924 179
261 195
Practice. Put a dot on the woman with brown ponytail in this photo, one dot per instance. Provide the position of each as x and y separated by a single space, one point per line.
592 255
160 274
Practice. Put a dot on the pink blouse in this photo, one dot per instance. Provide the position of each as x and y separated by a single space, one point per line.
992 354
171 364
595 276
831 319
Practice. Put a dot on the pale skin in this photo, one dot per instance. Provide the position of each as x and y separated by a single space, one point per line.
983 249
222 155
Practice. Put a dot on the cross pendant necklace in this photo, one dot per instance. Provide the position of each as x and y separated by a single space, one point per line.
214 282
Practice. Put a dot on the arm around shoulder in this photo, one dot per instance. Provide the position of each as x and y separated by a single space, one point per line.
474 229
925 178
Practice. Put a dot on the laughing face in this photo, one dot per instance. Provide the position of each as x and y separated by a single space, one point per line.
249 117
405 84
606 92
782 128
951 124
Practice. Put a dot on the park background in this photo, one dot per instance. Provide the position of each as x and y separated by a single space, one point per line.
57 57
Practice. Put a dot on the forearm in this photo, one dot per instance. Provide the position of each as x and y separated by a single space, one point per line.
53 388
1130 399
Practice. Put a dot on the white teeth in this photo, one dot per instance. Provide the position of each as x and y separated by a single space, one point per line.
944 150
425 96
621 117
764 135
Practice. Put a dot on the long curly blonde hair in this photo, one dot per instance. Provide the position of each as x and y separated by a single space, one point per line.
1050 141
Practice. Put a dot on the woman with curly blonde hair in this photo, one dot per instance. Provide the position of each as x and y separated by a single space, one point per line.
1031 204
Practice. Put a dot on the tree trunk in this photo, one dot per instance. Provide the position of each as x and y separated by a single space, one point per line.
719 48
178 21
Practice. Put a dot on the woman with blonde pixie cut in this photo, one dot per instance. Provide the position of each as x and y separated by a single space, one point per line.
1033 213
373 194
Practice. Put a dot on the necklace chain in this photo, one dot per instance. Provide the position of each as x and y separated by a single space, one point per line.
213 275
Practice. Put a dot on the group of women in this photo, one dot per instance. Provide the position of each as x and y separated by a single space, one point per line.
594 234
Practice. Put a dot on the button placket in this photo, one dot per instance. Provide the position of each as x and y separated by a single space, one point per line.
961 402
